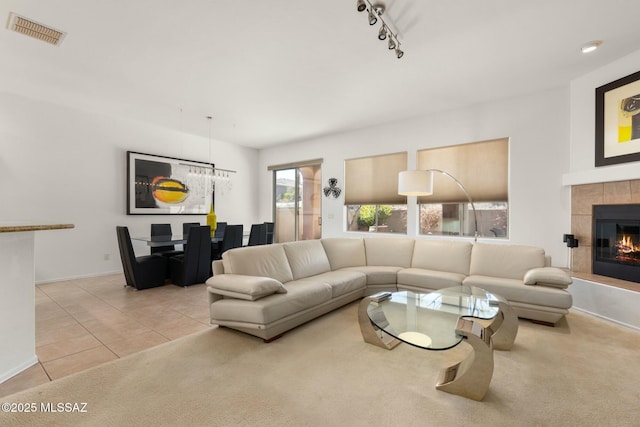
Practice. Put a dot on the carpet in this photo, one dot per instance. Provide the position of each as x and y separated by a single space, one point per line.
583 372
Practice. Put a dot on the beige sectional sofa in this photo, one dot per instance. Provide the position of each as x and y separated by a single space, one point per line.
267 290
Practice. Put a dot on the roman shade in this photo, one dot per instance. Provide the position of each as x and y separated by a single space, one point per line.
314 162
374 180
482 167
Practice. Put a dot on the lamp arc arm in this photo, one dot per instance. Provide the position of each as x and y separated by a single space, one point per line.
466 193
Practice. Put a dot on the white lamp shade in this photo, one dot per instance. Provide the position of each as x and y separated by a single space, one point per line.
415 183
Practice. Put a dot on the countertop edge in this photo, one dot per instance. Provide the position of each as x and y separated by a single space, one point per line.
33 227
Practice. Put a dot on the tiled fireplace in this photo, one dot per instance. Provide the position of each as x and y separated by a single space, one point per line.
583 198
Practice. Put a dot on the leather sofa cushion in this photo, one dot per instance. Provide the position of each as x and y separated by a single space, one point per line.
344 252
442 255
306 258
265 260
505 261
379 274
343 281
515 291
389 251
249 288
429 279
301 295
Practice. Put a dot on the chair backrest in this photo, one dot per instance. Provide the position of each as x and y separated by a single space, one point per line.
186 226
197 255
270 226
127 255
219 233
237 241
258 235
161 230
232 238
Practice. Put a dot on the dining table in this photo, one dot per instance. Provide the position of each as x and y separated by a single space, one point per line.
174 239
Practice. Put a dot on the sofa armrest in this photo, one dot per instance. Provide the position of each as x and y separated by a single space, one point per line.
244 287
548 276
217 267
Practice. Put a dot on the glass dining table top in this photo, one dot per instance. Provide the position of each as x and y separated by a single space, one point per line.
428 320
175 239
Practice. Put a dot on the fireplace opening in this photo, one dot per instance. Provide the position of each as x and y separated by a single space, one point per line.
616 241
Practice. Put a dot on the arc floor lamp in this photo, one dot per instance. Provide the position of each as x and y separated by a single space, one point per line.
420 183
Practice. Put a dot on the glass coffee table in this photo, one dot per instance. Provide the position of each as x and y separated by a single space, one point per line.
439 321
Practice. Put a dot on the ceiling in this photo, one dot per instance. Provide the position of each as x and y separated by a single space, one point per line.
279 71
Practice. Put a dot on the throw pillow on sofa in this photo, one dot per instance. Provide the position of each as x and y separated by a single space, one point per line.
249 288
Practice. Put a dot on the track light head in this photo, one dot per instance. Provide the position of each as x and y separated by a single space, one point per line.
382 34
399 53
361 6
372 18
392 43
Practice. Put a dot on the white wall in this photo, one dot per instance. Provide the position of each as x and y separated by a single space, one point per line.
59 164
539 155
582 125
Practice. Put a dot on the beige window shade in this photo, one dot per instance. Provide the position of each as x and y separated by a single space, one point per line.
299 164
374 180
482 167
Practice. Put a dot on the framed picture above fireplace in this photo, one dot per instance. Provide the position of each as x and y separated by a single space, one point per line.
618 121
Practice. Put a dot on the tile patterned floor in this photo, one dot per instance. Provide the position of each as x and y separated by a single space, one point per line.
86 322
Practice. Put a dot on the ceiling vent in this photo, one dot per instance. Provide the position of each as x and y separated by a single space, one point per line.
34 29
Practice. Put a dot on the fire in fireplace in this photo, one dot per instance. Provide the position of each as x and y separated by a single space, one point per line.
627 250
616 241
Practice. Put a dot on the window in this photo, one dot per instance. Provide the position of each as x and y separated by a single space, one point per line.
448 218
482 168
371 194
377 218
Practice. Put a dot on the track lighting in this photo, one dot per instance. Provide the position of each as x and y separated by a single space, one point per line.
376 11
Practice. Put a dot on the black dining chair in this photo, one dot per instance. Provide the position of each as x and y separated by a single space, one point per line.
219 233
163 230
237 236
186 226
270 231
232 239
195 265
257 235
141 272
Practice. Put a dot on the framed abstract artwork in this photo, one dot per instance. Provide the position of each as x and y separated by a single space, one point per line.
618 121
158 185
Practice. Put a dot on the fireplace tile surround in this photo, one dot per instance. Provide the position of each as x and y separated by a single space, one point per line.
583 197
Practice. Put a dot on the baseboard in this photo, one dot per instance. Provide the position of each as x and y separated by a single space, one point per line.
84 276
608 319
17 369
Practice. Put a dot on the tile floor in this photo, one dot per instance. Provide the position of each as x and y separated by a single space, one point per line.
86 322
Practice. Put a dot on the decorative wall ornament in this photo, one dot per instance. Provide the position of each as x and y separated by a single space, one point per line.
332 190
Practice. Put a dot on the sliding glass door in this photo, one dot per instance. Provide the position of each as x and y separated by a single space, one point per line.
297 203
